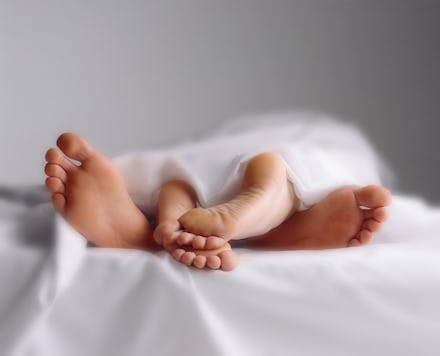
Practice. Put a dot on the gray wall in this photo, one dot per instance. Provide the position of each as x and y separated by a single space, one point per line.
135 74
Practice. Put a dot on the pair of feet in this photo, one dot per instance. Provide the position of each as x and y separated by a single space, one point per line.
93 199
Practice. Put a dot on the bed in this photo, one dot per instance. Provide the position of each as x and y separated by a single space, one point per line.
60 296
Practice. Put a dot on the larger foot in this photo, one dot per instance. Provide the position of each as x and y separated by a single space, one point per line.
265 201
346 217
92 196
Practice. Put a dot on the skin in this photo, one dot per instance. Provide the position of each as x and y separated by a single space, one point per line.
93 199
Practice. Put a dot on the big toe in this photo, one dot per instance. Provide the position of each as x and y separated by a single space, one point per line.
229 260
373 196
193 218
204 222
74 146
166 232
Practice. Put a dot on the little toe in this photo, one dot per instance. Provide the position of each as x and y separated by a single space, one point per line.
75 146
371 225
213 262
199 242
200 261
229 260
59 202
55 170
185 238
214 242
55 185
188 258
354 242
178 253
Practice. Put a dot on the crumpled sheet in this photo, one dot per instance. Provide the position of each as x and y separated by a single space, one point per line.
60 297
320 154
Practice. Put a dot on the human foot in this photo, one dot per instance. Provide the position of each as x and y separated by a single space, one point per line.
192 250
92 196
265 201
346 217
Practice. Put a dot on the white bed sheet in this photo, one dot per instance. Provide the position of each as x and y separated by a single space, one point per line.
59 297
63 298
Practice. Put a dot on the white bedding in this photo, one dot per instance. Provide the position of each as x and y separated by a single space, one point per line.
60 297
320 153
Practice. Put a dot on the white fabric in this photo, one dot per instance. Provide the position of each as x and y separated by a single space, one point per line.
381 299
59 297
320 154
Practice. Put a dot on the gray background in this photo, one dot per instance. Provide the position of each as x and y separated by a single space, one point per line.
135 74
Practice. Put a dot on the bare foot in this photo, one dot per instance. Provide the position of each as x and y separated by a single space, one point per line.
265 201
346 217
192 250
175 198
92 196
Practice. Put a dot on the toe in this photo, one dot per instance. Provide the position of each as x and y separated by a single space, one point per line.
188 258
59 202
55 170
197 220
75 146
54 156
214 242
378 214
185 238
170 238
213 262
373 196
158 235
178 253
165 233
199 242
55 185
371 225
229 260
365 237
354 242
200 261
362 238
